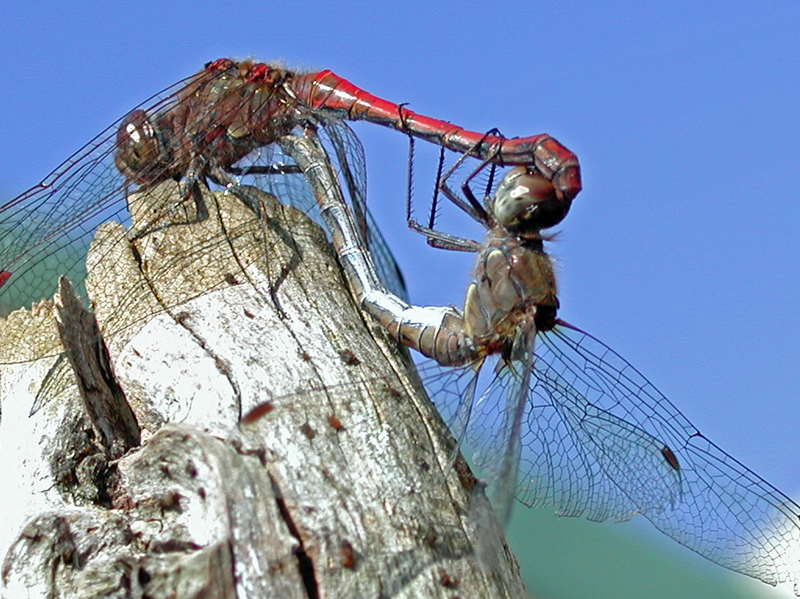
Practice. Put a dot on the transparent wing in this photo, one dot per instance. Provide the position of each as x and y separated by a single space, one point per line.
347 154
706 500
501 453
46 231
599 440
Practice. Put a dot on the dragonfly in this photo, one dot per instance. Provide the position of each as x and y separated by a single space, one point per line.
219 127
554 417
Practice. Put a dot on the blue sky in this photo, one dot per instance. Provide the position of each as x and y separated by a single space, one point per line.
682 252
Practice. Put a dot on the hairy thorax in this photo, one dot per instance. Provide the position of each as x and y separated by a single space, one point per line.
514 287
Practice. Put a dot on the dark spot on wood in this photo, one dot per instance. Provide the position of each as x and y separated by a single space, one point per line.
191 469
307 430
328 477
174 546
347 555
182 317
230 279
447 581
248 313
349 358
465 476
335 423
258 412
170 502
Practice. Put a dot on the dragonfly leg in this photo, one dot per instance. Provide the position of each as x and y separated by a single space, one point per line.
466 189
472 207
435 238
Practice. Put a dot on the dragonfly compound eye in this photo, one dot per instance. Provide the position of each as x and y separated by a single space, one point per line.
139 150
518 195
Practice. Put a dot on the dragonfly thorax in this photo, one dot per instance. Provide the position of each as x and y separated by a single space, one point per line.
227 111
514 287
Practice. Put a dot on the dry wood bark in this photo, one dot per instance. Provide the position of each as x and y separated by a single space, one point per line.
338 491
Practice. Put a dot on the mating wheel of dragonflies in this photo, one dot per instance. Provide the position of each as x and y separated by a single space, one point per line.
219 126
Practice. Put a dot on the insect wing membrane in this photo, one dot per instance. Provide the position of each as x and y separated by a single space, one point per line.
610 441
46 231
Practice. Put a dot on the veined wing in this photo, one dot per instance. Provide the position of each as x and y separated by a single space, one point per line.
346 153
46 231
600 440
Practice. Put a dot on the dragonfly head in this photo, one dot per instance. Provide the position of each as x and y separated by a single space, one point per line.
527 201
141 156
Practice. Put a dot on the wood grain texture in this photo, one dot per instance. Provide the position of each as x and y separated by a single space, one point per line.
342 489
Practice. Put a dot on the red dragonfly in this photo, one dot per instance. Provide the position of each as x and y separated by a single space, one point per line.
219 126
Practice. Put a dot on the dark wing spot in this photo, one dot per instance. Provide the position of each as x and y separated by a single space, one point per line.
670 457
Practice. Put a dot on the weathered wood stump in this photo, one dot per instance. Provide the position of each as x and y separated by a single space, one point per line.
341 489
